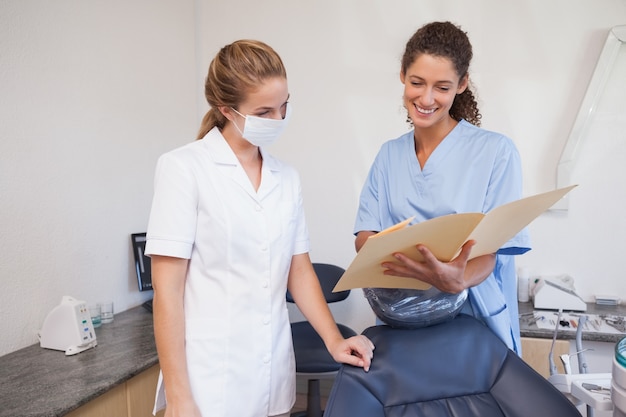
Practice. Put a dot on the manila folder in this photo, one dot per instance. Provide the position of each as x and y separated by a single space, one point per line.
443 236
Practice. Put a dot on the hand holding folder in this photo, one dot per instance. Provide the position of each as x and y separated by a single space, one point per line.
443 236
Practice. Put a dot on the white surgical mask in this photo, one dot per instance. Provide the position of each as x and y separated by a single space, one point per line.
261 131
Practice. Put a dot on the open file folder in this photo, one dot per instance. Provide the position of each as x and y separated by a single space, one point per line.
443 236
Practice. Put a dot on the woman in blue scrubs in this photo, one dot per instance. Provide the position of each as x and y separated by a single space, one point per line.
447 164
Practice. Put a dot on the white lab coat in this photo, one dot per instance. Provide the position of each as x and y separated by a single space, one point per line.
240 244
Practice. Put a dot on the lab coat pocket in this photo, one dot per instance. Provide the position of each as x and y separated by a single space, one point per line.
206 341
205 347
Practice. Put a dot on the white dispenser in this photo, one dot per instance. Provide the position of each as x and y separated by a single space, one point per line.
68 328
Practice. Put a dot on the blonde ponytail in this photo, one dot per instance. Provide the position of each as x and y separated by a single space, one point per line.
211 119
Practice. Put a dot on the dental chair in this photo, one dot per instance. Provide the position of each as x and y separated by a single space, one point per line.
458 368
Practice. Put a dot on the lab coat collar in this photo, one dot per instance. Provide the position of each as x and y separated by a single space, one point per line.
223 156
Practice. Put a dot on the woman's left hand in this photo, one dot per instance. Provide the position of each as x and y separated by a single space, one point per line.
356 351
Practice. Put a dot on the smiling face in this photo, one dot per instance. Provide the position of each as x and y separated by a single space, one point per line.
430 85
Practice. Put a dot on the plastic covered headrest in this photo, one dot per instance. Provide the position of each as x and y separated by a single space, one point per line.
408 308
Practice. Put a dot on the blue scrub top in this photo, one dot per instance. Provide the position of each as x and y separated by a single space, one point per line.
471 170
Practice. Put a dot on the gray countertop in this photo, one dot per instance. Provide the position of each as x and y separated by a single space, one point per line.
592 309
37 382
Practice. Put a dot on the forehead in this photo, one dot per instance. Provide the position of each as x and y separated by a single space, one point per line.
432 67
271 93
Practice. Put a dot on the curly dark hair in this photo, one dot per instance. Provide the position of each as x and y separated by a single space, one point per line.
446 40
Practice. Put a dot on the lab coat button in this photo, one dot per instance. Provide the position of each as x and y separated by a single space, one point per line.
265 284
266 359
258 208
266 320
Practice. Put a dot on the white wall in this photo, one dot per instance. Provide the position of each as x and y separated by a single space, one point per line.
91 93
94 91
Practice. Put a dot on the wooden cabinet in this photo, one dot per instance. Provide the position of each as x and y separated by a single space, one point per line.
535 352
135 398
111 403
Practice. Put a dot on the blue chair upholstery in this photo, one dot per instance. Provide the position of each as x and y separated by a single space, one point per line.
312 358
454 369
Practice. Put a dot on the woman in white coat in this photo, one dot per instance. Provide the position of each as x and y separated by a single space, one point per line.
227 237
